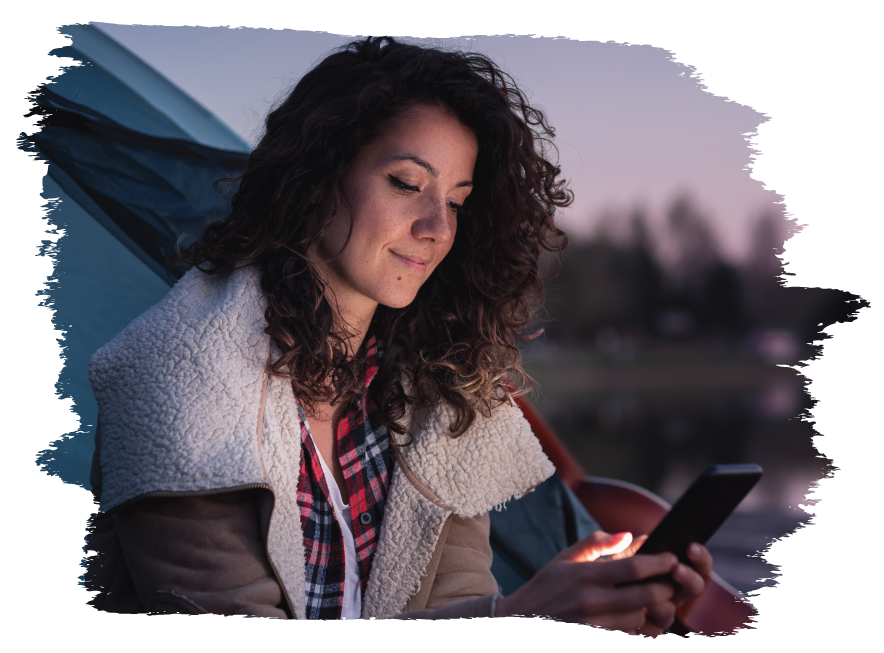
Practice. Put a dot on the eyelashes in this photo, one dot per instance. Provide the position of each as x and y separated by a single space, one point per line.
401 185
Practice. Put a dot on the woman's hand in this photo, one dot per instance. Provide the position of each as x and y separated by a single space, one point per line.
690 581
687 578
577 586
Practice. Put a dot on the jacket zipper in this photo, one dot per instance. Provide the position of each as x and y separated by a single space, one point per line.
163 494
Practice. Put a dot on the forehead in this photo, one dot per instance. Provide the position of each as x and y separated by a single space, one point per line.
428 128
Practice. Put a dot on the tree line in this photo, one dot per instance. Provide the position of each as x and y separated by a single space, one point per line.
608 285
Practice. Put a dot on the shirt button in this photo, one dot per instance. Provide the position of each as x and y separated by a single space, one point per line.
365 518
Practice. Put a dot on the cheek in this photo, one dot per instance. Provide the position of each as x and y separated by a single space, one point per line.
364 254
380 224
336 234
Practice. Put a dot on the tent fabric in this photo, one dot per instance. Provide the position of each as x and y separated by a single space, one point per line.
89 84
124 88
132 183
99 286
146 190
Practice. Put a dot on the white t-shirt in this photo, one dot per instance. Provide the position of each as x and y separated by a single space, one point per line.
352 608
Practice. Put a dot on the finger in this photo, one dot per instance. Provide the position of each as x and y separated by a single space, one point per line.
649 630
689 583
625 599
631 550
700 558
629 622
661 614
595 546
638 567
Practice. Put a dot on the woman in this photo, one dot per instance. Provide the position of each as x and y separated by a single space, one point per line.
315 421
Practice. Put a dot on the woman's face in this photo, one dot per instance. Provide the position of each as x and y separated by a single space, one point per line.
402 194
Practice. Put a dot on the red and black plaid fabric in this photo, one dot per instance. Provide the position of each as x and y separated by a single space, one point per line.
367 461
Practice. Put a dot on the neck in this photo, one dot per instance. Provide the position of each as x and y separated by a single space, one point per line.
356 313
355 310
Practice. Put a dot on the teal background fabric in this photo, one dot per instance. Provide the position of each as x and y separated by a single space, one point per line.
531 531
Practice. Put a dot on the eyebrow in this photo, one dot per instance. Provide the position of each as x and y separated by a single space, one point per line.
428 167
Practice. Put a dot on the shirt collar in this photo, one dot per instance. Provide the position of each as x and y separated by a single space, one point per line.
373 354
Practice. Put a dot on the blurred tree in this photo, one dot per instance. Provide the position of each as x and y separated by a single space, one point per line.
590 293
648 276
763 272
719 304
767 245
695 246
614 287
803 312
834 306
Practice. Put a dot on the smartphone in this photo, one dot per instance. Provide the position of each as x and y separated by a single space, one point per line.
702 509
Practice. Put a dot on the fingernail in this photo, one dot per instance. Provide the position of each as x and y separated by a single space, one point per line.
694 549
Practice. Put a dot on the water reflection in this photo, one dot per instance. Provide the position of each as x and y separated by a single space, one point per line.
659 420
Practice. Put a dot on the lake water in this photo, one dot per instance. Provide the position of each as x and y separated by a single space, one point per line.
660 416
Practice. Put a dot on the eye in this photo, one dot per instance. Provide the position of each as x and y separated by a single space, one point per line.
401 185
397 183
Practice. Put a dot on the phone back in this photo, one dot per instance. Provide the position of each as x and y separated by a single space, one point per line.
702 509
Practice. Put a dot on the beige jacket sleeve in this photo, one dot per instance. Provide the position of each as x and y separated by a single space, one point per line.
458 583
197 554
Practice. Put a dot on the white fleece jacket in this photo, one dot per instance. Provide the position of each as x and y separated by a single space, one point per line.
181 394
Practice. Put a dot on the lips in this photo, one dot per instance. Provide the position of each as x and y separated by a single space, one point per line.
417 263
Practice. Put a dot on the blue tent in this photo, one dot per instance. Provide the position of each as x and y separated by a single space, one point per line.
133 160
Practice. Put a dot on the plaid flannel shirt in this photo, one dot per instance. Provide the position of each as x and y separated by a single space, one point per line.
365 456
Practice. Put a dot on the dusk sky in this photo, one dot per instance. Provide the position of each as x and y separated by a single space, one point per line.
634 130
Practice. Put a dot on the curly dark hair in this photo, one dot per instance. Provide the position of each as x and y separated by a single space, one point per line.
457 341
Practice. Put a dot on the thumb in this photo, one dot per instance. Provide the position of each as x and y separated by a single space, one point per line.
597 545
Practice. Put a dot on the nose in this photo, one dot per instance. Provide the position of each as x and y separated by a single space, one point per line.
436 222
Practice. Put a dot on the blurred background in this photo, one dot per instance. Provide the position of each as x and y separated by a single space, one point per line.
669 340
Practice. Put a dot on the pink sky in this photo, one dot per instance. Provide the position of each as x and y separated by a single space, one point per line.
634 129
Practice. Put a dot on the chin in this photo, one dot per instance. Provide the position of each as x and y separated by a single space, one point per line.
397 300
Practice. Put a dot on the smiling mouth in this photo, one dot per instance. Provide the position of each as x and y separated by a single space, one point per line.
418 265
